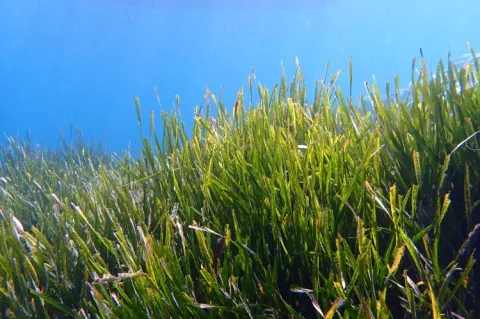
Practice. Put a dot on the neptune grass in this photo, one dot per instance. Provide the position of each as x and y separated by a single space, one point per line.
285 209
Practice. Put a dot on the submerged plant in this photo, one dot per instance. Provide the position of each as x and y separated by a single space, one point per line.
285 209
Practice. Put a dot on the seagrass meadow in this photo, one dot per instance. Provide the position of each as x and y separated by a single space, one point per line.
278 209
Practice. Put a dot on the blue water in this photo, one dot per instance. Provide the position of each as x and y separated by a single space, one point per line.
84 61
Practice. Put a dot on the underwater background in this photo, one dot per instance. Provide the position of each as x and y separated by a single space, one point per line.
83 62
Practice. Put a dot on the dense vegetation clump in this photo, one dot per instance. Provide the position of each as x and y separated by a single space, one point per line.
283 210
